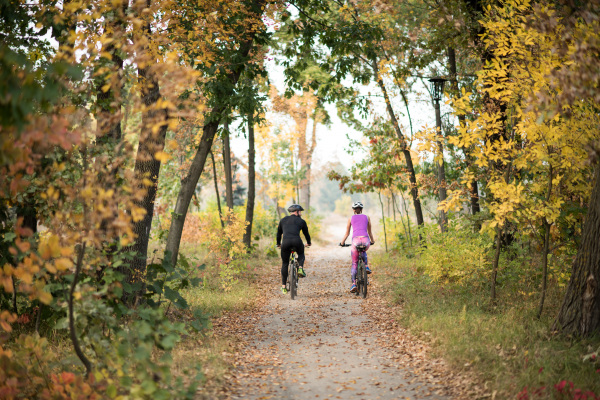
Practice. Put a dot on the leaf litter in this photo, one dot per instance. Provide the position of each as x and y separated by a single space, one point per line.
329 343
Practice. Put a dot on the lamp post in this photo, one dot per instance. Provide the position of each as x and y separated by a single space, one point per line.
437 90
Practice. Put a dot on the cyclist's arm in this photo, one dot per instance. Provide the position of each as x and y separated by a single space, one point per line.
279 234
347 231
306 235
369 231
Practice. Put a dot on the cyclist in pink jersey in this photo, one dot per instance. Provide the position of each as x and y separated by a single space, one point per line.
361 235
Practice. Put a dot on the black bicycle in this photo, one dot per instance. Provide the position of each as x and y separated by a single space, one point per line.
362 278
292 281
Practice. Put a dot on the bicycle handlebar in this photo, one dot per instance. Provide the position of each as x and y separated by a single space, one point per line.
345 245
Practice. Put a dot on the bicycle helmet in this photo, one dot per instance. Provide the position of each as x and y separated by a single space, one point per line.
358 204
295 207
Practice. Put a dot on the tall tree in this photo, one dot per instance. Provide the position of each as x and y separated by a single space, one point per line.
354 36
147 165
251 182
580 310
454 87
227 168
414 190
250 33
302 108
215 180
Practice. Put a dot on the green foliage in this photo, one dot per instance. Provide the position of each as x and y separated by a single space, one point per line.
164 283
458 256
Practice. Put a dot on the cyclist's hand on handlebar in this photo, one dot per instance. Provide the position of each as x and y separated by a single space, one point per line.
308 245
278 246
372 243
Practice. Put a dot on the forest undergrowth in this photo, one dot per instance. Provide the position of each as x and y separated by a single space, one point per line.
207 348
512 352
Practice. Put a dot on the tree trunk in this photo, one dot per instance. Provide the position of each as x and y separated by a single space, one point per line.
547 226
474 193
407 217
441 172
475 199
72 330
109 101
146 166
544 266
189 182
280 210
580 311
108 113
251 183
383 220
109 117
152 140
495 262
407 156
303 184
217 189
307 163
406 232
188 187
227 168
28 215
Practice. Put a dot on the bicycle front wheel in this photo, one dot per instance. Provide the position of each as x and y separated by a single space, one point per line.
294 280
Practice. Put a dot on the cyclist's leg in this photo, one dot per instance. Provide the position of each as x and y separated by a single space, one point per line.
300 251
366 242
286 250
354 254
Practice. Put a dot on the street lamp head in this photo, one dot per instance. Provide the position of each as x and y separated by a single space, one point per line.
437 87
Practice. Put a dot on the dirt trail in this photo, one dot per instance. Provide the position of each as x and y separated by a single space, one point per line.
326 344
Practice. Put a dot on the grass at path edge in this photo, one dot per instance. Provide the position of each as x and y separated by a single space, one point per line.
513 353
212 351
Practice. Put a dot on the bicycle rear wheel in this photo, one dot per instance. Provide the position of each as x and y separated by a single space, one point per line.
359 281
364 280
294 279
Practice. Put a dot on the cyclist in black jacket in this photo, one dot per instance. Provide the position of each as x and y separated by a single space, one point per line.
289 228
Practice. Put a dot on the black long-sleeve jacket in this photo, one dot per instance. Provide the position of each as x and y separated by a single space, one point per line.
290 227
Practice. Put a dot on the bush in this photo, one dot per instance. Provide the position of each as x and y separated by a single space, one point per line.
459 255
400 236
265 222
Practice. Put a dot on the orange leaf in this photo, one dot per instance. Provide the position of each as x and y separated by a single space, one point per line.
23 246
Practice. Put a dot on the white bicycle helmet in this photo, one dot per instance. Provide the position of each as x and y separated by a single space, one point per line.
358 204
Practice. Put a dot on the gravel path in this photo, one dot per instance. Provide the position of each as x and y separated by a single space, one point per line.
327 343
